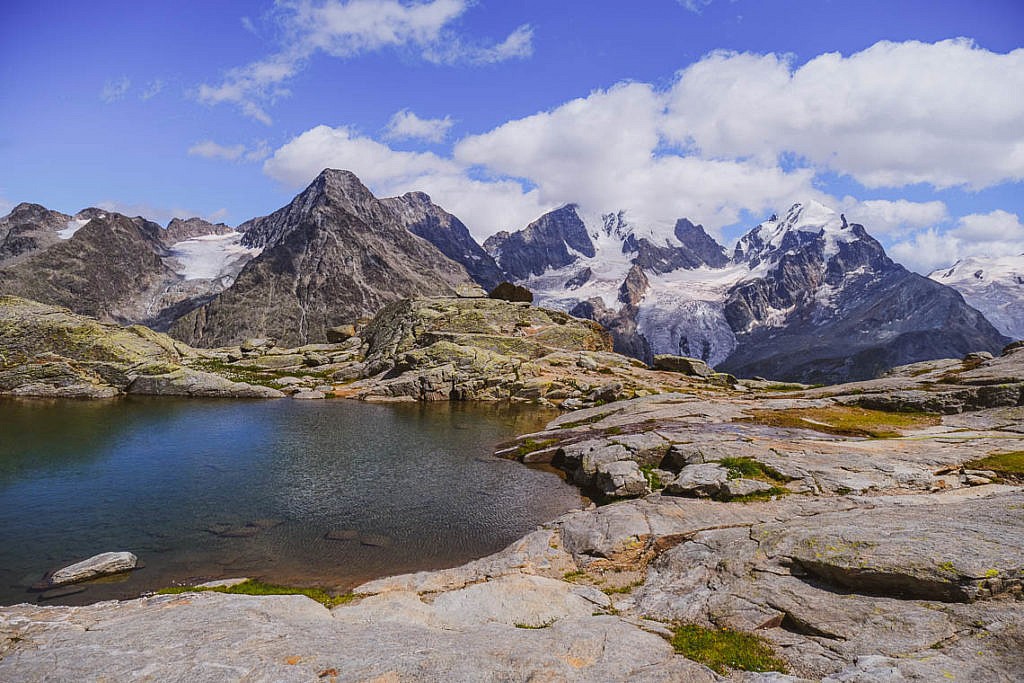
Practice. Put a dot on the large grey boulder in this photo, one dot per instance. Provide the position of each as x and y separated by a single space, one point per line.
97 565
687 366
703 481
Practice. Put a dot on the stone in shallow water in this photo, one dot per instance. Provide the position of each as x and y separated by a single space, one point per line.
97 565
375 540
342 535
62 592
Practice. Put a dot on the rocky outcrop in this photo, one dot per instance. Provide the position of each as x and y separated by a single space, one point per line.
181 229
333 255
48 351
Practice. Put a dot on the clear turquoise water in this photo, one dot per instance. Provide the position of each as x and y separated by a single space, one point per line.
165 478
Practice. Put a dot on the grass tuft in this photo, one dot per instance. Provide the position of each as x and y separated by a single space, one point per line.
260 588
725 649
844 421
1006 464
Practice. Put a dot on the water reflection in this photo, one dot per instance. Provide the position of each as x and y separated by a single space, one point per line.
207 489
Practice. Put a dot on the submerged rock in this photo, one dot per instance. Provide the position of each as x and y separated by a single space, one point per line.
97 565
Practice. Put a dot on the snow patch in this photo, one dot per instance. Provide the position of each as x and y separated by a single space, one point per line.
211 257
73 226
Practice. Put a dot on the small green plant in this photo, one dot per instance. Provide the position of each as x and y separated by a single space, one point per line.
536 626
844 420
725 649
947 567
572 577
749 468
621 590
532 445
653 480
259 588
768 494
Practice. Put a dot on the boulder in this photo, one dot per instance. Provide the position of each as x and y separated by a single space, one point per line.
97 565
703 481
687 366
340 333
734 488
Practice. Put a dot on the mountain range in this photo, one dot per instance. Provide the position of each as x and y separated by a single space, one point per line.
994 285
807 296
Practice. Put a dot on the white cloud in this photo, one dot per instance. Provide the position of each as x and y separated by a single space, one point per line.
153 88
947 114
998 233
695 6
597 151
602 152
208 149
884 217
406 125
485 205
115 89
708 146
346 28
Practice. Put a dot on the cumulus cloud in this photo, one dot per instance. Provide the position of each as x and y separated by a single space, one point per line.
997 233
208 149
709 146
485 205
884 217
894 114
346 28
115 89
406 125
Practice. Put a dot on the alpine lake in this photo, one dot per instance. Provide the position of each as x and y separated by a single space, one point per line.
322 494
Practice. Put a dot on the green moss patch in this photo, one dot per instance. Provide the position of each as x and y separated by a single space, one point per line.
844 421
653 480
260 588
1008 464
725 649
533 445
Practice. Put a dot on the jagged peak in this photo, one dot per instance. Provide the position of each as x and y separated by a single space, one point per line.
808 217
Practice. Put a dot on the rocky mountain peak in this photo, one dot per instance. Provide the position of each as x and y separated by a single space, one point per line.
332 190
554 240
181 229
805 223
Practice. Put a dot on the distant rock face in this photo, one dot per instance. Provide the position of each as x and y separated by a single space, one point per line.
547 243
994 286
179 230
126 270
806 297
422 217
334 254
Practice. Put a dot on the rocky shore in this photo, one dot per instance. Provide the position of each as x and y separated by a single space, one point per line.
862 532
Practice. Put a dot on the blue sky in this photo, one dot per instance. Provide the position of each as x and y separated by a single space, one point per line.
720 110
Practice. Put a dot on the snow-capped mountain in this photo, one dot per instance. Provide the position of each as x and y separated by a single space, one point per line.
806 296
993 285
